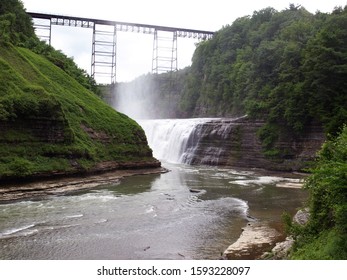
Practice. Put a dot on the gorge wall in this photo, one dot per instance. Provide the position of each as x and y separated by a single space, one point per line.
231 142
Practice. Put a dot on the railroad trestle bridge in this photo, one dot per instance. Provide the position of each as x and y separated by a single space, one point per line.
104 41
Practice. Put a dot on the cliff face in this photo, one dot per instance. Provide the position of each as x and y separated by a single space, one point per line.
40 130
235 143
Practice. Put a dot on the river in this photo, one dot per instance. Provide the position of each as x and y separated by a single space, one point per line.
191 212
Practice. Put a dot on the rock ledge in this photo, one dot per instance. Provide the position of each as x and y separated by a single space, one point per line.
254 240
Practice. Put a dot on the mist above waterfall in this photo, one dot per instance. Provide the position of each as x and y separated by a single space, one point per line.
151 96
136 99
153 101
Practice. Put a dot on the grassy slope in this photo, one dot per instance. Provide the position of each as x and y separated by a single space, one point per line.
33 88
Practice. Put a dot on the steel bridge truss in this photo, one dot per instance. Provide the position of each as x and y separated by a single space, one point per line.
104 41
104 46
164 58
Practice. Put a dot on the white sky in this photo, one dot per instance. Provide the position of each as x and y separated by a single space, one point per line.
134 50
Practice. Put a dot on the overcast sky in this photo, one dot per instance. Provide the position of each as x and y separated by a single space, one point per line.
134 51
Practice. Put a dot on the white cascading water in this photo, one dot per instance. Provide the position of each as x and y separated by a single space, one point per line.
168 138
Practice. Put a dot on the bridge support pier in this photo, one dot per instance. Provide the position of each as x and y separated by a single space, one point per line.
104 47
43 29
164 57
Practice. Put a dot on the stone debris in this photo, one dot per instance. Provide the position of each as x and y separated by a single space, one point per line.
281 250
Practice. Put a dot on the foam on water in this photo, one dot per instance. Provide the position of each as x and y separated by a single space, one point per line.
75 216
19 231
96 196
261 180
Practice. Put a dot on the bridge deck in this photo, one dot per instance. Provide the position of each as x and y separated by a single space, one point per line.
121 26
104 41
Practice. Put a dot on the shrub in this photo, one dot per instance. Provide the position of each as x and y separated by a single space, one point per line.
325 235
21 167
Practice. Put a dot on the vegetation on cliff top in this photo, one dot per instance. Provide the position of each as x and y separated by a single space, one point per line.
287 68
50 121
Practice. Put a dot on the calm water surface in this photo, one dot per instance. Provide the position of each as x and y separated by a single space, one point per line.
146 217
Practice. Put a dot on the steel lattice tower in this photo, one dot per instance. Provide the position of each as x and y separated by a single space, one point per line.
164 57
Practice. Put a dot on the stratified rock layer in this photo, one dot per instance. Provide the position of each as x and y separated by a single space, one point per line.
231 142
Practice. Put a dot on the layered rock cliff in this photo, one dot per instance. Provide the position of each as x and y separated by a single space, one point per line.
231 142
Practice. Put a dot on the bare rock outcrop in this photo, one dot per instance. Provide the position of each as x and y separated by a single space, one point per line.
254 240
302 216
231 142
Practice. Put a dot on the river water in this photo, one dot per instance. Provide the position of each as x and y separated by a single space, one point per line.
191 212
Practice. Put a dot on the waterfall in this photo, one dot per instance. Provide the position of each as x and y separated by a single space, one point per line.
209 141
172 140
190 141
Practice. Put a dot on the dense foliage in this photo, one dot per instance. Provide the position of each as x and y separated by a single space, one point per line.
15 25
287 68
325 235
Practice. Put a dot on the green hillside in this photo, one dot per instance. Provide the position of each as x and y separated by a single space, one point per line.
50 123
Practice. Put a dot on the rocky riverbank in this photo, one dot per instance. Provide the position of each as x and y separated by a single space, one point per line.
256 238
15 191
261 240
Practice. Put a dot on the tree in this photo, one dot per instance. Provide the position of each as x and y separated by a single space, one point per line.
16 24
325 234
325 69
